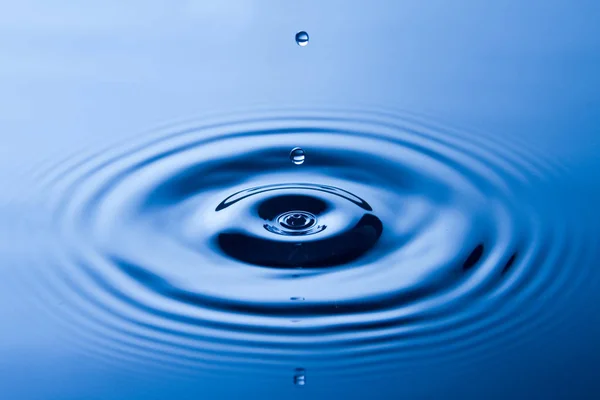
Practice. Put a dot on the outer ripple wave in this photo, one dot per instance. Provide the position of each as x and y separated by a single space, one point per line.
418 244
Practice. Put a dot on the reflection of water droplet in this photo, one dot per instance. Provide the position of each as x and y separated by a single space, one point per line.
297 155
300 377
296 298
302 38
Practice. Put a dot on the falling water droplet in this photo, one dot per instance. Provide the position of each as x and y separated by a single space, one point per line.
300 377
302 38
297 155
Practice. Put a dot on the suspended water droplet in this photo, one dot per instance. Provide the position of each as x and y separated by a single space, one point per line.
302 38
300 377
297 155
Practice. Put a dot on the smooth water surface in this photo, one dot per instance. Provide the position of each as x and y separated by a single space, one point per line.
196 204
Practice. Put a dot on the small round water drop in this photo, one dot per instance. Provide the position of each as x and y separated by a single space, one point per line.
297 155
302 38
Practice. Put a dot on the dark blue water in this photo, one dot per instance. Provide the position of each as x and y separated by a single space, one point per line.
199 202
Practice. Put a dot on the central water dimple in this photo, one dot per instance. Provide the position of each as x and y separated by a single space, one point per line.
308 225
295 223
297 220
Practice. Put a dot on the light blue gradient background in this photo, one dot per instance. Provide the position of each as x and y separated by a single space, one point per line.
84 74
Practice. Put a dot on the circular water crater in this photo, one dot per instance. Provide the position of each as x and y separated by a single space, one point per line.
402 240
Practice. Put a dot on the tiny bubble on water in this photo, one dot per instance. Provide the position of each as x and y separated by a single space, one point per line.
302 38
297 155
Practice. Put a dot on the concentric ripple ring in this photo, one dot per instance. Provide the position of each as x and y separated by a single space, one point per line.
395 243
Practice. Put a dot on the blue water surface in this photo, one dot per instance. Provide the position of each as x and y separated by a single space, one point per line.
193 206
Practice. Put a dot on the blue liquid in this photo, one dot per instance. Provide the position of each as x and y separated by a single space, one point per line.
415 235
448 255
